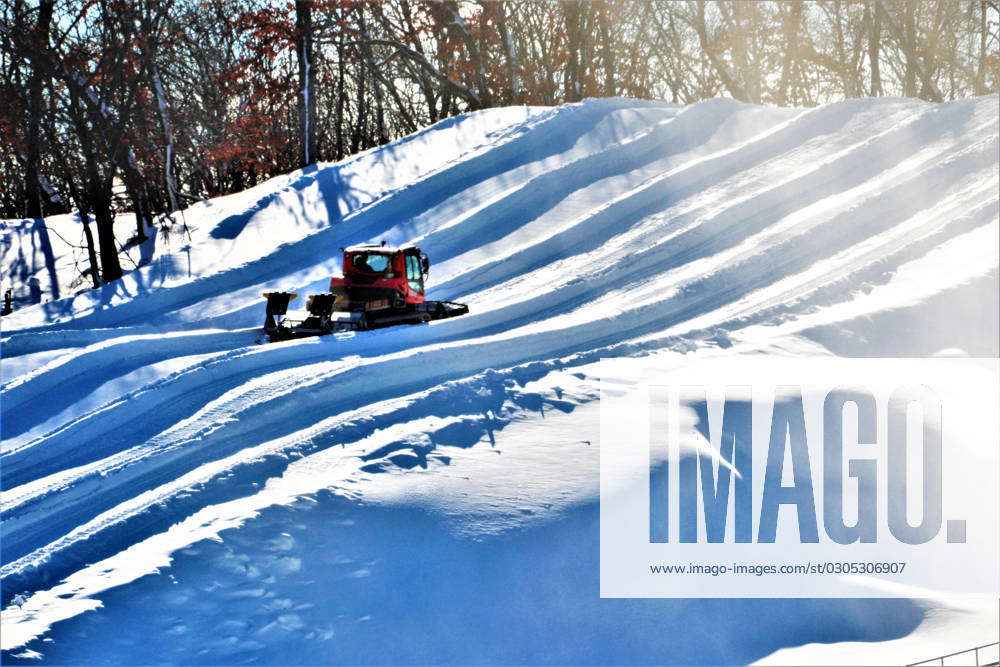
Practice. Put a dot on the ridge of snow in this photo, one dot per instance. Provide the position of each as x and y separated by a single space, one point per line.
141 419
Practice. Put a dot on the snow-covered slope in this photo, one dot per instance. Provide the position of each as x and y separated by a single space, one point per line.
367 492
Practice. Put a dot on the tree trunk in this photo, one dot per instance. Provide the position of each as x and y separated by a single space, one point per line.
32 181
572 87
369 62
515 92
168 135
99 196
873 19
906 35
96 196
341 99
307 79
412 39
607 48
454 23
95 269
792 22
980 84
909 38
723 72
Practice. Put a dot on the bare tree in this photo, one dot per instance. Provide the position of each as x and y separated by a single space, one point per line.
177 101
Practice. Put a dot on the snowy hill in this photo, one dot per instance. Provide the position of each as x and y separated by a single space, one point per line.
355 498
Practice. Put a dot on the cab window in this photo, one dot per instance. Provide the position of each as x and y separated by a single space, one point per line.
413 274
370 262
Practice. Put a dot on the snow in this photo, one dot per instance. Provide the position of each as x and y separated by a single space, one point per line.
172 491
948 626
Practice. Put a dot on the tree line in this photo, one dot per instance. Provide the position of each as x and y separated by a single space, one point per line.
145 106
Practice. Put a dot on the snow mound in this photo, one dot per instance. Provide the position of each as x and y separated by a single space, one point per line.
142 418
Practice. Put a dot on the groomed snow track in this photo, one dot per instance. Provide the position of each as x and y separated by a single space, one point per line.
607 228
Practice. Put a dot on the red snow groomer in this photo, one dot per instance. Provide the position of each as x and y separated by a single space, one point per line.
381 286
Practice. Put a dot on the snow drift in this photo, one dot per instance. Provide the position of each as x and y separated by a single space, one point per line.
357 498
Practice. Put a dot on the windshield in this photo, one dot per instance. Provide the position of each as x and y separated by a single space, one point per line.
370 262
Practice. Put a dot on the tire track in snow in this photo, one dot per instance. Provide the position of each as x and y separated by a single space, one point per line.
295 409
83 371
713 194
76 435
628 151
